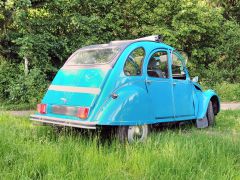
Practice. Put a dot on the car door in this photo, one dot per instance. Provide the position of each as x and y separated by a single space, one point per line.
159 85
182 88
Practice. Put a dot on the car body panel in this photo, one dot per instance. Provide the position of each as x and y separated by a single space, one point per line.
184 100
76 87
129 108
203 101
160 91
116 99
164 87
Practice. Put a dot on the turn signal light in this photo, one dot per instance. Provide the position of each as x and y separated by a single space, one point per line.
83 112
42 108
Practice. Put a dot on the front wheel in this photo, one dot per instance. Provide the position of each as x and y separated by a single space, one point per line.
210 115
133 134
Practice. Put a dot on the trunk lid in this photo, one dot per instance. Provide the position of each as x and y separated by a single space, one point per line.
75 87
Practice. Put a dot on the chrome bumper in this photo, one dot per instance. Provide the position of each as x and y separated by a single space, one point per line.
63 122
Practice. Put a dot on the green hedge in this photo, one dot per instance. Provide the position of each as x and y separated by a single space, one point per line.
228 92
47 32
17 88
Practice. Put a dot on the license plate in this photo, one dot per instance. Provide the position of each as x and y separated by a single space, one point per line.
64 110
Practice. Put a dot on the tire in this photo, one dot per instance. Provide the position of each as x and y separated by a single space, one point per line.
58 129
210 115
132 134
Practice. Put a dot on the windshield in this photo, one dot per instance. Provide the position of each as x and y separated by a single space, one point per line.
93 56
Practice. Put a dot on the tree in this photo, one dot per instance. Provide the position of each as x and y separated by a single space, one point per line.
42 34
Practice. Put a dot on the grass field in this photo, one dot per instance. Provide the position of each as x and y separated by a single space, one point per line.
32 152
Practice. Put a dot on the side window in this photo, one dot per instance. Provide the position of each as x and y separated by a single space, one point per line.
134 62
158 65
177 68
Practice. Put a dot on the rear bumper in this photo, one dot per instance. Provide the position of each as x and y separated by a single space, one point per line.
62 122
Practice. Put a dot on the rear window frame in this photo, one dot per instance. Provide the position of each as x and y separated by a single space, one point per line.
95 64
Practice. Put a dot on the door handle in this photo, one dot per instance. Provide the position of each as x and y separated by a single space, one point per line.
174 84
148 81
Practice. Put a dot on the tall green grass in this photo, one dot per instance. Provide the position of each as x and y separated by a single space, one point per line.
16 107
32 152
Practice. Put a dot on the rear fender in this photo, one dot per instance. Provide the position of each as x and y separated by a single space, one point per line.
203 101
131 107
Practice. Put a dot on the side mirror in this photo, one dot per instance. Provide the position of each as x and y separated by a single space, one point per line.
195 79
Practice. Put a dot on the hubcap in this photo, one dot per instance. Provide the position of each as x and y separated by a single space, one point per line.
137 133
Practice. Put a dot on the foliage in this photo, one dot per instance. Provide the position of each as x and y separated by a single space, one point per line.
16 87
228 92
47 32
8 106
8 73
28 88
34 152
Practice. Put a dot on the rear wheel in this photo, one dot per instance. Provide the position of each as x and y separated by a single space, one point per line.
133 134
210 115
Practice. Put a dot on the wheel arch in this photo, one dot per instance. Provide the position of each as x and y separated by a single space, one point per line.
204 99
216 104
131 107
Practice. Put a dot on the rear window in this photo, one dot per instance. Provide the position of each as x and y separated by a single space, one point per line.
93 56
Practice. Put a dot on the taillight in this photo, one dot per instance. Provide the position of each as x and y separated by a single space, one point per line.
42 108
83 112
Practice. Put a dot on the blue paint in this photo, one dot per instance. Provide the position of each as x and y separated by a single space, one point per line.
73 99
141 99
183 98
79 77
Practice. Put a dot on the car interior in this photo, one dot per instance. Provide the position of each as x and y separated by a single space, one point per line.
157 66
177 68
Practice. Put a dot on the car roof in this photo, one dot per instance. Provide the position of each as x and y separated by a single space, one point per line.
122 44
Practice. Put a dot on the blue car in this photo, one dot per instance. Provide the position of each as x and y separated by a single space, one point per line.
129 85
